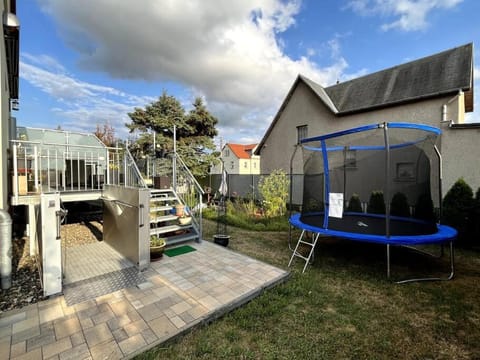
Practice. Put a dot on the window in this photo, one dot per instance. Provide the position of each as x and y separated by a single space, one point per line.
245 165
405 171
226 153
302 133
232 165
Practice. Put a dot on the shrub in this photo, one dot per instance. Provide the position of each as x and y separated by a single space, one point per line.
457 205
424 208
376 203
399 205
274 191
354 204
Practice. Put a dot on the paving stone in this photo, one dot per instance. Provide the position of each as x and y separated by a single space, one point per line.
135 327
119 335
121 307
149 336
118 322
27 334
178 322
132 344
97 334
31 355
9 319
51 313
15 350
5 347
150 312
107 350
45 338
79 352
162 327
56 348
103 316
64 328
77 338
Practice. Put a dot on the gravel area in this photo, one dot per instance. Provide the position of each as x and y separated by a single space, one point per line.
26 287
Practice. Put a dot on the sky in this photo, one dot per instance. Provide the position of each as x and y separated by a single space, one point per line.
91 62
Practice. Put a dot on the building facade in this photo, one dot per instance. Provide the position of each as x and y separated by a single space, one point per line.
436 90
238 159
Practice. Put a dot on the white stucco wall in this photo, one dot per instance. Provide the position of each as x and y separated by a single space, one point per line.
460 148
5 121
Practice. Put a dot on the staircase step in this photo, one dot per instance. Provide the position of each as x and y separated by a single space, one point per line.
181 238
164 218
162 198
167 229
161 191
160 208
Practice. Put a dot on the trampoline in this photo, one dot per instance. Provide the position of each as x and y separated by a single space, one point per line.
379 183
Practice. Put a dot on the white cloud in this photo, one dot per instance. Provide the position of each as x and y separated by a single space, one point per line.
411 14
227 51
80 104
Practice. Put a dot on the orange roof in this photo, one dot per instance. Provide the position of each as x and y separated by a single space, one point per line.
242 151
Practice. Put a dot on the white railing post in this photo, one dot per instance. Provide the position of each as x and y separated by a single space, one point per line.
35 169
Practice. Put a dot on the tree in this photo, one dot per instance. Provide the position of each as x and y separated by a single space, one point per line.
105 134
195 131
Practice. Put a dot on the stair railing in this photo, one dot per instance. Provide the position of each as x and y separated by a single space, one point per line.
189 192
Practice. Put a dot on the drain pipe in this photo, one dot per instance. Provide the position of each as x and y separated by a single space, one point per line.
5 249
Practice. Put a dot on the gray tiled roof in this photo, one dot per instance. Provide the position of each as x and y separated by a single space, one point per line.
438 74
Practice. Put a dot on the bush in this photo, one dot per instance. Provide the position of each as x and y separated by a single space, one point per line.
424 208
354 204
457 205
274 191
376 203
399 205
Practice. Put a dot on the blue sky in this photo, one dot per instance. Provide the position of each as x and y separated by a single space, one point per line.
90 62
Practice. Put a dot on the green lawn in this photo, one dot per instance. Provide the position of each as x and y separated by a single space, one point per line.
343 307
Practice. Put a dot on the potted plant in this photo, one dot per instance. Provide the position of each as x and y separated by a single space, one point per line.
157 246
185 219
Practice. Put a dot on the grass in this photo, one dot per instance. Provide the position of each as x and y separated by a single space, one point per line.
343 307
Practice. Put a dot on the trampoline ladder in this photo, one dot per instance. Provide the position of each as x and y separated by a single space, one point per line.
310 253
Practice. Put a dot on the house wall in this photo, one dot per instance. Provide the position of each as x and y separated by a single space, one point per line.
305 108
234 165
5 122
461 157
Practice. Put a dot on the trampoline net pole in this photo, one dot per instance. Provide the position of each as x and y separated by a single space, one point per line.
388 261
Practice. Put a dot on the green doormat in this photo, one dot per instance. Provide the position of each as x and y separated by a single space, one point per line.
179 250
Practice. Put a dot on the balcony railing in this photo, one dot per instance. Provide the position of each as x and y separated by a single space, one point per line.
39 167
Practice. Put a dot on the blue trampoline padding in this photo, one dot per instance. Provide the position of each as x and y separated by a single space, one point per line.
413 232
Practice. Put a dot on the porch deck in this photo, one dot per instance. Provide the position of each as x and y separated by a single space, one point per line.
178 293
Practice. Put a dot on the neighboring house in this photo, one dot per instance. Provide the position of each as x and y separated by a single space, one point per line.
436 90
9 60
239 160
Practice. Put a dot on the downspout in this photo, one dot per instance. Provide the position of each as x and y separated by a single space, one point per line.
444 108
5 249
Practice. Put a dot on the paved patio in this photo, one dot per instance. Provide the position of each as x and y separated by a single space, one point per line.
179 293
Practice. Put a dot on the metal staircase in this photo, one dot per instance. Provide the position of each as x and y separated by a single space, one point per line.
163 219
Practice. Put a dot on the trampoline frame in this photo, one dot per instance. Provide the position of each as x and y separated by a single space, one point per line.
295 220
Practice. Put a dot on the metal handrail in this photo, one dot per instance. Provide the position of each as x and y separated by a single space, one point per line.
50 166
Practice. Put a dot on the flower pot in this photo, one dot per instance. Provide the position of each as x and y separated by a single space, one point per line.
179 209
221 239
185 220
156 252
